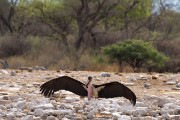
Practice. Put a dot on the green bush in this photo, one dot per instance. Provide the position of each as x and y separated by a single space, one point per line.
137 53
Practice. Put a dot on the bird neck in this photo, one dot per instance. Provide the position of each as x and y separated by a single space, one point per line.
89 83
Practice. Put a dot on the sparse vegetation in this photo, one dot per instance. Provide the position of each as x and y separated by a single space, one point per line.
69 35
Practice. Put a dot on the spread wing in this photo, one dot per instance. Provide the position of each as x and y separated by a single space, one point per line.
116 89
63 83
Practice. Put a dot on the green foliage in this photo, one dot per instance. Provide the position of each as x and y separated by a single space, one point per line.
126 12
40 7
136 53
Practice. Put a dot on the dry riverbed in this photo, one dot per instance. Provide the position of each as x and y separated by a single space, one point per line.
158 97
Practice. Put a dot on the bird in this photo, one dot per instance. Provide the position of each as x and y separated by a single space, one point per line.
106 90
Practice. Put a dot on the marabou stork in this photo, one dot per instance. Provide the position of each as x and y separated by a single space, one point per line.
107 90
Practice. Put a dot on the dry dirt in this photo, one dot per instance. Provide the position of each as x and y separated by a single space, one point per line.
158 86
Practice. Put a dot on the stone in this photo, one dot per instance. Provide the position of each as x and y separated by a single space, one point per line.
13 73
124 117
147 85
66 112
51 118
71 99
105 74
151 97
116 115
142 111
21 104
132 78
171 117
140 104
43 106
38 112
4 72
155 76
142 77
10 116
177 110
178 85
2 107
90 115
5 98
171 82
66 106
28 117
65 119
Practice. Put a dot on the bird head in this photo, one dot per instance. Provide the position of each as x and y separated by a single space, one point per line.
89 78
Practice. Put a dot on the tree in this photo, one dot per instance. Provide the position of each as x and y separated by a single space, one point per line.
136 53
7 11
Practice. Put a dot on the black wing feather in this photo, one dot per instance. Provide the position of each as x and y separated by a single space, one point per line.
63 83
116 89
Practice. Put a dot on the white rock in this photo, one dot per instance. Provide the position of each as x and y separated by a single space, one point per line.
49 112
90 115
38 112
142 77
171 117
162 100
171 82
15 110
43 106
142 111
155 113
116 115
28 117
66 112
4 72
132 78
124 117
65 119
71 99
21 104
10 115
177 110
169 108
105 74
2 107
105 112
65 106
51 118
151 97
140 104
13 97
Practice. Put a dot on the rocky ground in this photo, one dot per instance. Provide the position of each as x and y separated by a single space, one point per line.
158 97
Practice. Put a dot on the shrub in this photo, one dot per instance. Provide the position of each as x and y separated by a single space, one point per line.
136 53
13 45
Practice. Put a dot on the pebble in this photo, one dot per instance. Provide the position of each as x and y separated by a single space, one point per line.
178 85
171 82
21 104
13 73
147 85
28 117
38 112
105 74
